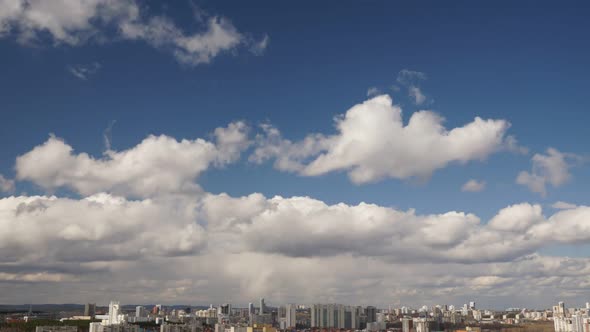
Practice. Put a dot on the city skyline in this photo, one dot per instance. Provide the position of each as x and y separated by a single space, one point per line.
371 153
274 306
291 317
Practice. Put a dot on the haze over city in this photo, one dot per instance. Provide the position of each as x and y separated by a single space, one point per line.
362 153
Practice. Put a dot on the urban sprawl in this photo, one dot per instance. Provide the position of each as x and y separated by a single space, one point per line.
300 318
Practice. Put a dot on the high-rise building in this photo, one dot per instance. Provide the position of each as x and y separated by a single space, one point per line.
465 310
315 315
157 309
224 313
90 309
424 325
224 309
477 315
371 313
291 315
251 312
115 317
250 309
561 322
561 308
578 322
322 315
140 311
407 324
355 317
262 305
336 316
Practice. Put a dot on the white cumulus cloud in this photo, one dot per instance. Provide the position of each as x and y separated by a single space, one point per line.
373 143
159 164
177 245
76 22
101 227
306 227
243 247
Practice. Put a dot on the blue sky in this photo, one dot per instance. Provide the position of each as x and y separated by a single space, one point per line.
523 62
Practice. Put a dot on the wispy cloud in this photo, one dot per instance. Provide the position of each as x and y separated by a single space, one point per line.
107 136
552 168
373 91
563 205
6 185
411 79
259 47
417 95
84 72
474 185
408 77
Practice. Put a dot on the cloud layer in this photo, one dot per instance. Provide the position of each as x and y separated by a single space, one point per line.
238 248
101 227
305 227
138 219
373 143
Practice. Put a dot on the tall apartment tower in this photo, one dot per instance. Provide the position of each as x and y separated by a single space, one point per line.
319 315
355 317
114 313
561 308
262 305
291 315
407 324
140 311
314 315
371 313
336 316
90 309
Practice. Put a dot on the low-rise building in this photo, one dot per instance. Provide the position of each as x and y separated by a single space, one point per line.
56 329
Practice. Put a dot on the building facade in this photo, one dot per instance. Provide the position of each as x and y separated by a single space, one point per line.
291 315
336 316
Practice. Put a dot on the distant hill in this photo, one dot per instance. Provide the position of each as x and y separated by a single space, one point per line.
14 308
18 308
